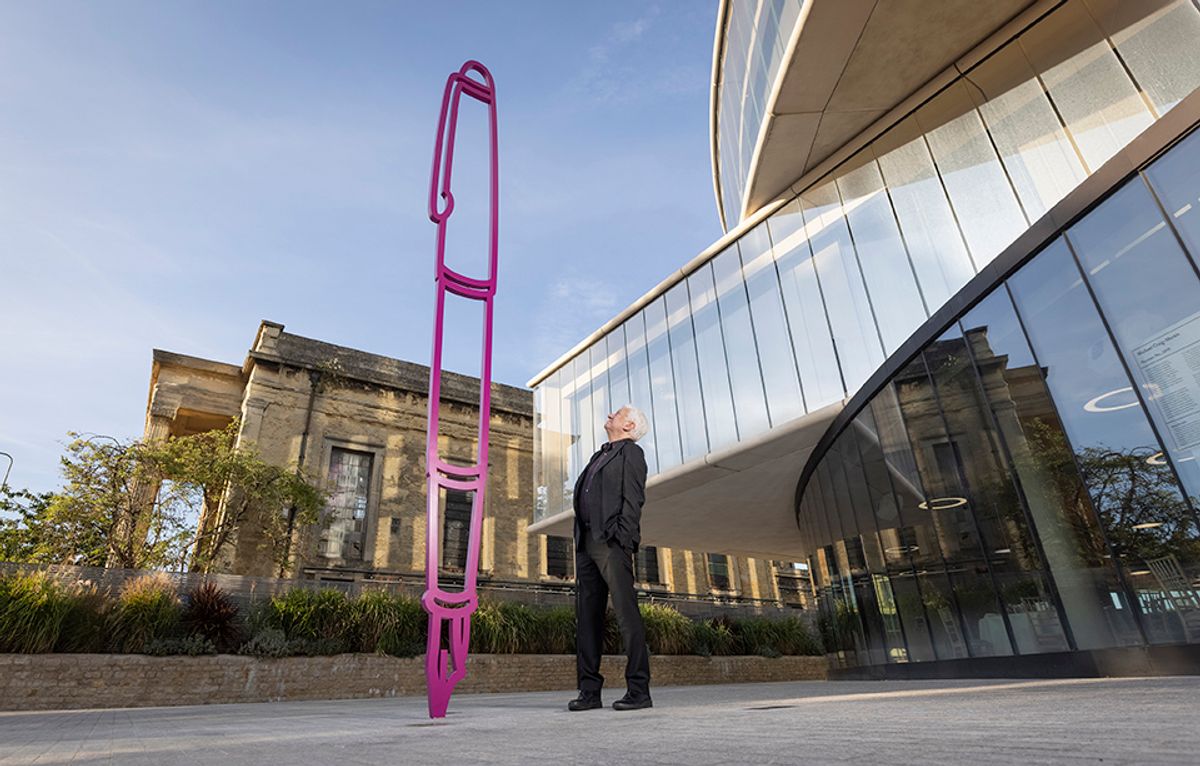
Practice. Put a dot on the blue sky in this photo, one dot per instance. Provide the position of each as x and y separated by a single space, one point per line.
172 173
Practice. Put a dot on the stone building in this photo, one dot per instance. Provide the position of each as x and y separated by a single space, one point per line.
355 422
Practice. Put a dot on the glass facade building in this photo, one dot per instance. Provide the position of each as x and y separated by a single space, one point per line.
797 312
995 298
757 33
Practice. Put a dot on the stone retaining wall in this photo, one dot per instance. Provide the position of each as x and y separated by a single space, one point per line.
61 681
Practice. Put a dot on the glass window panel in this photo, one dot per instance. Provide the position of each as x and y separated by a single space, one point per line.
598 354
1108 430
990 493
1098 102
955 534
718 571
350 480
560 559
581 411
1066 526
662 386
982 197
566 381
1157 40
618 369
1149 292
900 582
812 340
574 441
645 565
784 398
553 440
710 351
893 290
1177 184
935 244
639 384
941 607
541 495
687 373
1038 155
744 374
456 529
855 337
862 548
788 13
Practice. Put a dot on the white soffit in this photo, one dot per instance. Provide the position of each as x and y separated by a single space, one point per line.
854 61
740 501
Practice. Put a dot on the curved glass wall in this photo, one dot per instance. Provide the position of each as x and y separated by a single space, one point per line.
799 312
757 33
1028 482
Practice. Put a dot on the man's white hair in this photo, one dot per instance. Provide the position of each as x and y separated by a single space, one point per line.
641 425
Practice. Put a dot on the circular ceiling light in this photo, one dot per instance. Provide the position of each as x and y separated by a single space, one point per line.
1094 405
942 503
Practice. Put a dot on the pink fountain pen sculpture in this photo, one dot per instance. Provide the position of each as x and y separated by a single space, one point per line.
445 667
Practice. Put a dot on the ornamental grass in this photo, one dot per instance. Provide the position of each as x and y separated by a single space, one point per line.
39 613
146 609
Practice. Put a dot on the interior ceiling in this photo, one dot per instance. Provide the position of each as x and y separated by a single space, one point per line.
855 61
739 501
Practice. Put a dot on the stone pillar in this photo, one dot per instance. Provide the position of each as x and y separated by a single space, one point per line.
133 522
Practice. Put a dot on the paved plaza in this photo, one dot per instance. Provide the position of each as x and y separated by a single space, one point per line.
1110 721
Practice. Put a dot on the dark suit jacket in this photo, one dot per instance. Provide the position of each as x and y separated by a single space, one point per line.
621 481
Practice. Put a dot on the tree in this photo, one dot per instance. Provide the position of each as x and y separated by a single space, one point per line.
95 519
169 504
21 533
228 485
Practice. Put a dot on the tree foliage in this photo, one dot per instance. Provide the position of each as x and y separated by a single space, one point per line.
235 486
165 504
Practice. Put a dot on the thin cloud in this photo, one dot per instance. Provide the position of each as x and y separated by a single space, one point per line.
621 71
574 307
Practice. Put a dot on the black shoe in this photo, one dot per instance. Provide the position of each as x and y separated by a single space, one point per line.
585 701
629 702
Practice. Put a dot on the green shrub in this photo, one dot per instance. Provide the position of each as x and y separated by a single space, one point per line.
714 637
504 628
613 643
84 629
193 646
269 642
667 631
796 638
147 608
390 624
555 630
772 638
302 613
33 611
211 614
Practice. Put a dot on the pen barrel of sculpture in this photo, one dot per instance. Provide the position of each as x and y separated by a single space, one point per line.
445 667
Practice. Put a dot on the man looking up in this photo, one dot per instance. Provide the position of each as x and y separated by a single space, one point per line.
608 509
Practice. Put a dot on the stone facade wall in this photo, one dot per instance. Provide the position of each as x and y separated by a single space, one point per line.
74 681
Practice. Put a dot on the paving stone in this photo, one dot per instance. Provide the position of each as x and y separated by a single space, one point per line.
1072 721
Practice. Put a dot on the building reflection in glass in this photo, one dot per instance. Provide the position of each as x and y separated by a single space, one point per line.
1018 487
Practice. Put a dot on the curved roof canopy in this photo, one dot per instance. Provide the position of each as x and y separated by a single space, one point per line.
854 61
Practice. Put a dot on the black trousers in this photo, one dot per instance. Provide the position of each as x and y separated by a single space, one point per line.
604 569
